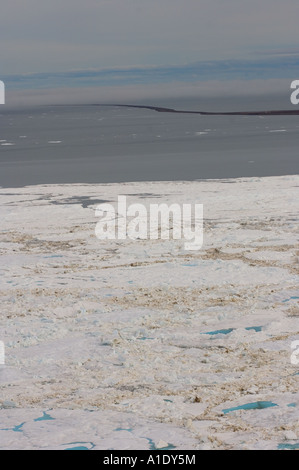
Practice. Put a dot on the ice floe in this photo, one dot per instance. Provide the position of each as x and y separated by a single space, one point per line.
140 344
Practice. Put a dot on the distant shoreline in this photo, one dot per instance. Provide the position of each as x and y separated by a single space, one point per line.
159 109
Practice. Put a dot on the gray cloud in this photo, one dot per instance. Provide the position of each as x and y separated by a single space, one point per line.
38 36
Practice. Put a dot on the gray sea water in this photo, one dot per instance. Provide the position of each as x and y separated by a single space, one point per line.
107 144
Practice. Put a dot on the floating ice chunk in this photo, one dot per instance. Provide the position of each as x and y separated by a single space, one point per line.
278 130
80 446
255 328
162 444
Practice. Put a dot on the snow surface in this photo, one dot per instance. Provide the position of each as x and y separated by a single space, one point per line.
123 344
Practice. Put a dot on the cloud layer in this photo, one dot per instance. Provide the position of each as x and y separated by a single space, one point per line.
62 35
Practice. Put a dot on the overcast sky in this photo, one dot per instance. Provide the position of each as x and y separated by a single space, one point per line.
59 35
146 44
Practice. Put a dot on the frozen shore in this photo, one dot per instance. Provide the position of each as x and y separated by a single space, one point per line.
123 344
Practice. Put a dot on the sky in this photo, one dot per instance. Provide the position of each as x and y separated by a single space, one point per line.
92 43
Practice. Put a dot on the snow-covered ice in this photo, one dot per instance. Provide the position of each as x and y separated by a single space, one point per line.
127 344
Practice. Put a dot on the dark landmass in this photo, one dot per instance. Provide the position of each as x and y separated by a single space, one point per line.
228 113
279 112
